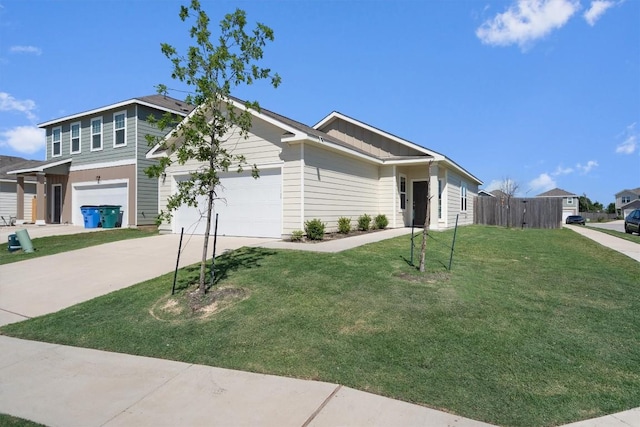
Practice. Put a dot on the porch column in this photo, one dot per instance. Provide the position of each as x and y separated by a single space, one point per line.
41 206
433 193
20 200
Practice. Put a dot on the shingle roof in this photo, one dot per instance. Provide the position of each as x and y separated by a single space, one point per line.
557 192
9 163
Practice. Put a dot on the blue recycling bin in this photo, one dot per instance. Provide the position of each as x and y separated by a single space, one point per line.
13 243
91 215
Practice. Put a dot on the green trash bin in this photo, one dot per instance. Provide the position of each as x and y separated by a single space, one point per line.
109 215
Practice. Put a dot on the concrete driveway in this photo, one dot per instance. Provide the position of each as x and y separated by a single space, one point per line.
47 284
613 225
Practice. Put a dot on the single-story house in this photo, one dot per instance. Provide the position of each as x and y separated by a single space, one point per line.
9 189
570 201
340 167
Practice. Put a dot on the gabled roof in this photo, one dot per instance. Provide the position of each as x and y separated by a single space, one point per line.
557 192
335 115
42 167
634 191
499 193
160 102
9 163
635 204
485 193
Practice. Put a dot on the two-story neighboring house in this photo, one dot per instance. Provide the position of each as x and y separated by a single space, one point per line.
570 201
97 157
627 200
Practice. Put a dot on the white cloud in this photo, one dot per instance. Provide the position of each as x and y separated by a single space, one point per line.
26 49
493 185
542 183
588 167
597 9
526 21
23 139
630 143
9 103
562 171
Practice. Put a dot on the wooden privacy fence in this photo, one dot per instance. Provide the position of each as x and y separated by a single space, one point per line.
518 212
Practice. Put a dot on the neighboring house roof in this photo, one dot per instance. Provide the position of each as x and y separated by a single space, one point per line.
160 102
51 166
557 192
295 131
500 193
10 163
485 193
634 191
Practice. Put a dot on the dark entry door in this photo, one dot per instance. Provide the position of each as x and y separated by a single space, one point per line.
57 203
419 203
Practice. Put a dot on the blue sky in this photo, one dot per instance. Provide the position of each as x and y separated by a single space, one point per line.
543 92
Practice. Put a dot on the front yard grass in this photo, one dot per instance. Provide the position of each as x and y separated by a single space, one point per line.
530 328
56 244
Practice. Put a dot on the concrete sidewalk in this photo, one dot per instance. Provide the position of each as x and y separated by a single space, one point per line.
630 249
65 386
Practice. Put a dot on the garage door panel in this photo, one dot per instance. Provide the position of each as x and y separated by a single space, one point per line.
100 194
245 207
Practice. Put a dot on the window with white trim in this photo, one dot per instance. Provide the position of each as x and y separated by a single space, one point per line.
96 134
403 192
463 197
75 137
569 200
56 142
120 129
626 199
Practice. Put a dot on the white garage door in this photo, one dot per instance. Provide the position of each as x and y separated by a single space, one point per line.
247 207
566 213
100 194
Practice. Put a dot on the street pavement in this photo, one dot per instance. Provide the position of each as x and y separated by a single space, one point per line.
59 385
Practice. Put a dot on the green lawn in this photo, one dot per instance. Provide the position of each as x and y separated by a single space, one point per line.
56 244
530 328
9 421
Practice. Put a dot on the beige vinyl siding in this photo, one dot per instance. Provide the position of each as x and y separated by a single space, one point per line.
336 186
366 140
389 196
454 182
292 189
8 199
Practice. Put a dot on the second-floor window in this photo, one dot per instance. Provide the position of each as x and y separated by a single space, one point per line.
75 138
56 142
569 200
96 134
119 129
626 199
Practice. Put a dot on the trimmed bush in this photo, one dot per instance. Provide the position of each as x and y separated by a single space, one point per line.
381 222
314 229
344 225
297 235
364 222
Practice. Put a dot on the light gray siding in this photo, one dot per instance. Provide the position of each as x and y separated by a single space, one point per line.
8 199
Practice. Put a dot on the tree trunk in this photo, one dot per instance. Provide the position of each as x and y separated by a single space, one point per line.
425 228
203 265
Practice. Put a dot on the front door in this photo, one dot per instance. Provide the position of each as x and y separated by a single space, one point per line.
419 203
57 203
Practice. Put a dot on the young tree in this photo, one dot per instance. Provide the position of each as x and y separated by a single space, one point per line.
211 71
425 228
510 188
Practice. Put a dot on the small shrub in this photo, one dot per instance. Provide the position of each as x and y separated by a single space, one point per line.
364 222
314 229
344 225
381 222
297 235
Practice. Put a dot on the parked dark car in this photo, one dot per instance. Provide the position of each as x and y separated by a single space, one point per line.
575 219
632 222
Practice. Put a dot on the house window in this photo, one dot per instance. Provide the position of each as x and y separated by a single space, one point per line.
463 197
56 142
569 200
403 192
96 134
75 138
626 199
119 129
439 199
